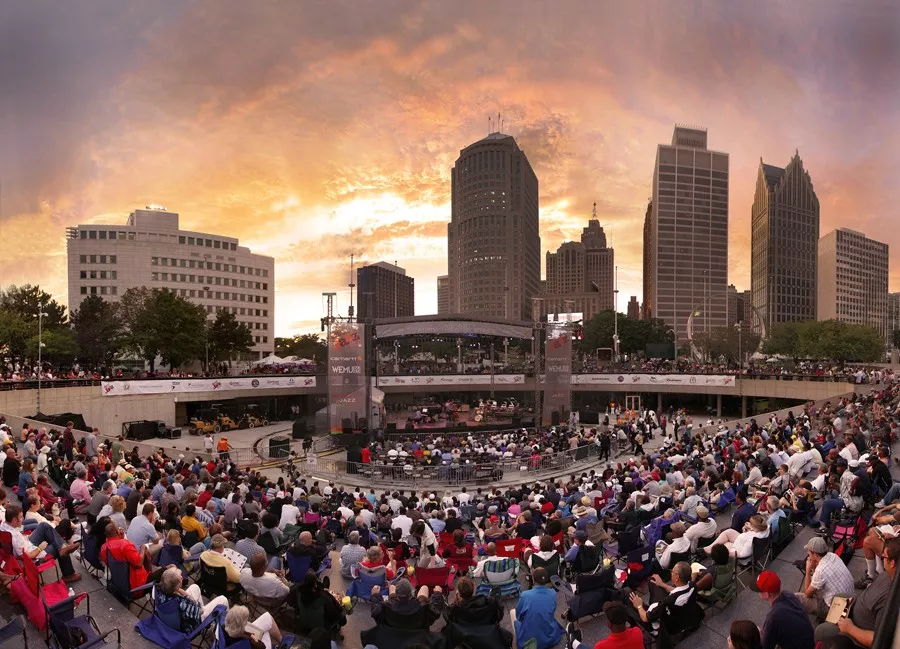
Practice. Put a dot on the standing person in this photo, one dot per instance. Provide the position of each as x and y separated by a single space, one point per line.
68 441
208 443
535 614
90 444
116 450
786 624
222 446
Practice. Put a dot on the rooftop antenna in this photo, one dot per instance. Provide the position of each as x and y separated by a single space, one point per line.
498 122
351 285
594 216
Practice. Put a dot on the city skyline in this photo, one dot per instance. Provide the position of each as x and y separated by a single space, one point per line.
331 129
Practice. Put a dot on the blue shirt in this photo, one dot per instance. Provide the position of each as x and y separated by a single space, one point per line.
535 618
787 625
741 516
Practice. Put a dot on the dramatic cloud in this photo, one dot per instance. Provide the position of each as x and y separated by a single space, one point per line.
313 130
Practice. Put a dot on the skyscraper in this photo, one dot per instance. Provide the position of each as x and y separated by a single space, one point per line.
784 240
688 232
646 308
581 274
893 321
384 291
493 238
634 308
853 279
443 294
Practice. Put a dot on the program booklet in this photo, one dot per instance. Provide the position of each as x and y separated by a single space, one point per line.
840 608
239 560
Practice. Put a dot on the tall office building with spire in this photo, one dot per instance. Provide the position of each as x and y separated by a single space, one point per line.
493 238
686 240
784 240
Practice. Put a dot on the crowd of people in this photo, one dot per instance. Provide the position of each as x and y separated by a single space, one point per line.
163 515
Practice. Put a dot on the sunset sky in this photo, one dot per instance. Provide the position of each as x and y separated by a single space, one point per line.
311 130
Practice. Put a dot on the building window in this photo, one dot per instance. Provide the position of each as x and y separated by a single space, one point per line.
217 244
208 243
112 259
82 259
102 290
93 259
92 234
84 290
113 290
83 274
83 234
103 234
93 290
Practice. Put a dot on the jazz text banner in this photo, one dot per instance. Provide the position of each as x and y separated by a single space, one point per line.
558 372
224 384
346 376
452 379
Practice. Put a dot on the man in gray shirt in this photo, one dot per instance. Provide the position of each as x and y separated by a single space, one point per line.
90 444
142 531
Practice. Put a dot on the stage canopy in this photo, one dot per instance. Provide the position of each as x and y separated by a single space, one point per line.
451 328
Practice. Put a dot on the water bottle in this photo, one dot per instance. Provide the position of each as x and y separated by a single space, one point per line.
71 592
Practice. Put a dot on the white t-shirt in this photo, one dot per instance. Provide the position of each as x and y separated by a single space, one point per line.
289 514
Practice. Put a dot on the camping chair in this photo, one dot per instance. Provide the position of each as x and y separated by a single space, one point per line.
365 579
590 593
119 584
553 566
53 592
12 629
267 542
69 631
432 577
784 534
190 539
587 561
724 588
509 548
640 564
213 582
674 558
628 541
90 554
559 541
757 561
502 575
297 567
6 545
444 539
171 554
164 626
705 542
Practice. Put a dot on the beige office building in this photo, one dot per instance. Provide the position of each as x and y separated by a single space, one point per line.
150 250
893 317
853 279
687 269
493 238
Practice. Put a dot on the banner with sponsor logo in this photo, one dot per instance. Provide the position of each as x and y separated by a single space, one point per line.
346 375
660 380
223 384
451 380
557 372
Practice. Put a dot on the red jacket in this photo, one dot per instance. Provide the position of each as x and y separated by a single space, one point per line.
124 550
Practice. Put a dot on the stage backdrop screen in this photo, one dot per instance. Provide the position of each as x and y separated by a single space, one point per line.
346 375
558 372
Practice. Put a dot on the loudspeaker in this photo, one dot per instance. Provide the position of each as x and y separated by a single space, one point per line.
361 423
391 427
346 422
589 416
554 418
347 430
279 447
299 430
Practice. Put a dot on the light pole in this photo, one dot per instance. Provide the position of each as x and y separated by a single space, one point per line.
206 329
40 315
740 330
616 318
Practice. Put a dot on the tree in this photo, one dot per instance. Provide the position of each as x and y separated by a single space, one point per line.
303 346
634 335
160 323
14 333
27 300
59 346
783 339
228 338
98 329
726 342
828 339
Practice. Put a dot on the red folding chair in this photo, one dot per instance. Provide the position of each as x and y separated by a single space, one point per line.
511 548
31 597
6 547
559 542
432 577
445 539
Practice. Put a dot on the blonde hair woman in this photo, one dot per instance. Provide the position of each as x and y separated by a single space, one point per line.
264 634
740 544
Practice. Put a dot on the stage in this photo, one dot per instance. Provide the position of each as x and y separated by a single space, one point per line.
402 421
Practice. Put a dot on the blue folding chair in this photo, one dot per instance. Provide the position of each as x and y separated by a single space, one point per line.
365 579
164 626
171 554
64 627
287 640
119 585
297 567
90 554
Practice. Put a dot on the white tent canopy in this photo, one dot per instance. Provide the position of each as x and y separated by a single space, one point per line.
271 359
293 360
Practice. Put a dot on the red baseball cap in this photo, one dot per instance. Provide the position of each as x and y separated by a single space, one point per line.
768 582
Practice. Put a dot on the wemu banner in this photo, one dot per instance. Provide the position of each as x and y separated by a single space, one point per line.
451 379
557 372
346 376
659 380
223 384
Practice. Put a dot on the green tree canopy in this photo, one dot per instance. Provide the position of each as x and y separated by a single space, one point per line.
828 339
98 329
727 342
228 338
160 323
310 346
25 301
634 335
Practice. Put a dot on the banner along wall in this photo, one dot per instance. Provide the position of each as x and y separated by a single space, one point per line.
557 372
346 375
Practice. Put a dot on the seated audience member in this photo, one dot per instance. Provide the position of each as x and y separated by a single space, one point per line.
743 513
305 547
352 554
260 581
312 594
740 544
673 606
786 623
858 629
722 561
215 558
404 611
621 636
43 541
546 550
190 602
121 549
744 634
536 614
679 545
825 577
884 525
704 528
236 621
374 559
470 609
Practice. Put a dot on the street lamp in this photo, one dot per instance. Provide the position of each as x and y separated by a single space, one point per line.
616 318
206 328
740 330
40 315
